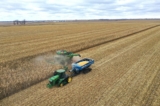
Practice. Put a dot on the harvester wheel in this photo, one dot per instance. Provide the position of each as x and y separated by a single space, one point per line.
69 79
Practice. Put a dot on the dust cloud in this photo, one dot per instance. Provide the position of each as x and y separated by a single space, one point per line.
75 59
54 59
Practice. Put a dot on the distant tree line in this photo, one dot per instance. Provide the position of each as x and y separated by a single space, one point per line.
17 22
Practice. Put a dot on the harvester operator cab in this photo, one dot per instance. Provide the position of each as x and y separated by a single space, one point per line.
61 52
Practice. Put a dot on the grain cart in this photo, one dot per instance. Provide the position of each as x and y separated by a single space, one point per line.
82 66
59 78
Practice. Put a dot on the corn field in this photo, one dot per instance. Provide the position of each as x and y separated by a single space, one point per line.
126 70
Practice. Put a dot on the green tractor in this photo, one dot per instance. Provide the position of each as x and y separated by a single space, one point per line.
59 78
68 54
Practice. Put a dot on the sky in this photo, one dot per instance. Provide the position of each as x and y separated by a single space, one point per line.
78 9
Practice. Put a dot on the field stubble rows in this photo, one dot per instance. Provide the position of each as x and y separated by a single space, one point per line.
23 74
34 44
112 79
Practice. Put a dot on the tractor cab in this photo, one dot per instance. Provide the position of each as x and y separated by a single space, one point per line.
61 73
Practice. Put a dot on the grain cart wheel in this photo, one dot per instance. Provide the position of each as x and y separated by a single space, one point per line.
69 79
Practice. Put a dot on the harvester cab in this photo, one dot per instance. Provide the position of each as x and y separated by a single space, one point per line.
59 78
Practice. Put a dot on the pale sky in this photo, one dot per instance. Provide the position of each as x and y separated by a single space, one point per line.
78 9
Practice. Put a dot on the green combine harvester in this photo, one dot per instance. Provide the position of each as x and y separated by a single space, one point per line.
59 78
68 54
63 57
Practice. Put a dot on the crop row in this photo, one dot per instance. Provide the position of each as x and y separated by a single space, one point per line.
122 74
25 73
52 43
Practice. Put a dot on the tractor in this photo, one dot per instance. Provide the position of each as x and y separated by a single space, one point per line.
59 78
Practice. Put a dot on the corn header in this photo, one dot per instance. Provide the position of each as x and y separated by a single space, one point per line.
68 54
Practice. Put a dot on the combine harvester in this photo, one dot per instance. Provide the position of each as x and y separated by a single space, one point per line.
68 54
64 58
60 77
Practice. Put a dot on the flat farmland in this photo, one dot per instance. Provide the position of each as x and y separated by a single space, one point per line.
126 70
